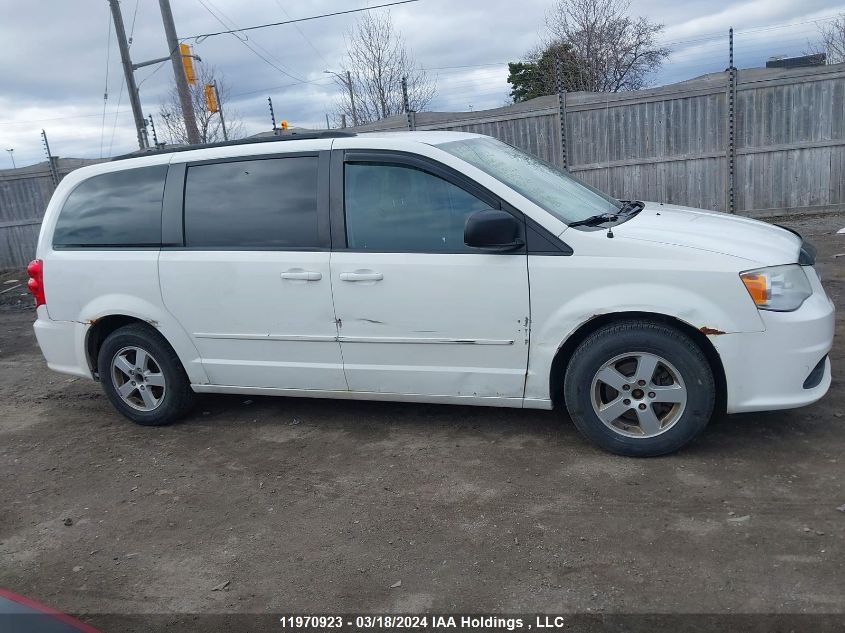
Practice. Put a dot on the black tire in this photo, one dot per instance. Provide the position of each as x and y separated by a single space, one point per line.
177 397
639 337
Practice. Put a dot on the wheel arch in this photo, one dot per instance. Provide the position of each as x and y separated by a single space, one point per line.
100 330
564 353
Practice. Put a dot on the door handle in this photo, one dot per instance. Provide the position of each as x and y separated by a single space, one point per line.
361 275
302 275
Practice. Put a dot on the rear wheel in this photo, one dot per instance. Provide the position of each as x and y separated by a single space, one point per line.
639 388
143 377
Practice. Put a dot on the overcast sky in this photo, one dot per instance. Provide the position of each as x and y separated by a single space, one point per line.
53 63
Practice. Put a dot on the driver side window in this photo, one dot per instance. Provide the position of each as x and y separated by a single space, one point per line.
395 208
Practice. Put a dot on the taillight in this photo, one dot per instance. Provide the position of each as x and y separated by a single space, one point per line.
36 281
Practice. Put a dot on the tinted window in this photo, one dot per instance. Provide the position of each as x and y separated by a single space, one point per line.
121 208
253 204
396 208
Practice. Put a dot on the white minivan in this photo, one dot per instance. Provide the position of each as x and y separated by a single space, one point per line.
421 267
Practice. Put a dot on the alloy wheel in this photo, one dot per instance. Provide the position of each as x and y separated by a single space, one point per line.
138 378
638 394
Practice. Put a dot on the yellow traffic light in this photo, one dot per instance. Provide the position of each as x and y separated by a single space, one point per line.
188 63
283 124
211 98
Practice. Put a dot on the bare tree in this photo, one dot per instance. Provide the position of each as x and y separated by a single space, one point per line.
172 125
614 50
370 84
832 40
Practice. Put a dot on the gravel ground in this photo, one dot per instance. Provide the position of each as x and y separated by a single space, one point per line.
315 506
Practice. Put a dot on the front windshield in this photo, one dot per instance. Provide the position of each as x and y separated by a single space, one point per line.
559 193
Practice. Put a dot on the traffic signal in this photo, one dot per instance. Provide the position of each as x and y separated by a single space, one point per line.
211 98
283 124
188 63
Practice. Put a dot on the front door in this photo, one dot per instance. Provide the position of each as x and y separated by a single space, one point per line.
251 282
419 312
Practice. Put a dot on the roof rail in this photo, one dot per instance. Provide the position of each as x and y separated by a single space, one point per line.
278 136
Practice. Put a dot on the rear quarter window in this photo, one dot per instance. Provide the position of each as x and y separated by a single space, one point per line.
121 208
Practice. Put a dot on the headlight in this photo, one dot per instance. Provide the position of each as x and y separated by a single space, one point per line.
779 288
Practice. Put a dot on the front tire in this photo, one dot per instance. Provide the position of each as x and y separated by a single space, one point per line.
639 388
143 377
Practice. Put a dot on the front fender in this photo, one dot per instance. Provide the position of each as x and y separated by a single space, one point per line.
713 302
700 312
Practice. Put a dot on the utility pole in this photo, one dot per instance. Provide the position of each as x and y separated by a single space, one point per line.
178 72
351 98
220 108
348 83
132 89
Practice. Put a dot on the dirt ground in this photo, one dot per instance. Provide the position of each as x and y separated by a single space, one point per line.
315 506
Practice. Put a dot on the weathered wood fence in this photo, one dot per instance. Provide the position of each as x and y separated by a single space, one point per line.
24 194
671 143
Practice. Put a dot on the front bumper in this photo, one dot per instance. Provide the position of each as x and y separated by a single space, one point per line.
768 370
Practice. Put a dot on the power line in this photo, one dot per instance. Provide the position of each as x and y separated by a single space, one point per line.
482 91
324 82
706 38
756 29
155 70
466 66
305 37
61 118
245 39
106 88
203 36
279 66
317 82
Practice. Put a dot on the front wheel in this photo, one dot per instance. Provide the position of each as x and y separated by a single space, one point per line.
639 388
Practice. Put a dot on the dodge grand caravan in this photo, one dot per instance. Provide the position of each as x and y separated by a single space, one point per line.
421 267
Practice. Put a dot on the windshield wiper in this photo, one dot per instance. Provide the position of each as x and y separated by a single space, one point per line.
631 206
595 220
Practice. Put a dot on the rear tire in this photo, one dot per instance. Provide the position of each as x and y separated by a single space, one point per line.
143 377
639 388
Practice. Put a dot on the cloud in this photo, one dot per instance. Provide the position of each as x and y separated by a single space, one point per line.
53 70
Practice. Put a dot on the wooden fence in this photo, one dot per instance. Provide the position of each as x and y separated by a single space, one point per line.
671 143
24 194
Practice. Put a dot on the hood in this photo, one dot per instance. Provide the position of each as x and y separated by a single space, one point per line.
755 241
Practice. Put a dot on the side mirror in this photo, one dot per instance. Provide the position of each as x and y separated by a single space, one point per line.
493 230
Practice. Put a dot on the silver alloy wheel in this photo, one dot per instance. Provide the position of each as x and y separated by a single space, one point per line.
138 379
638 394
